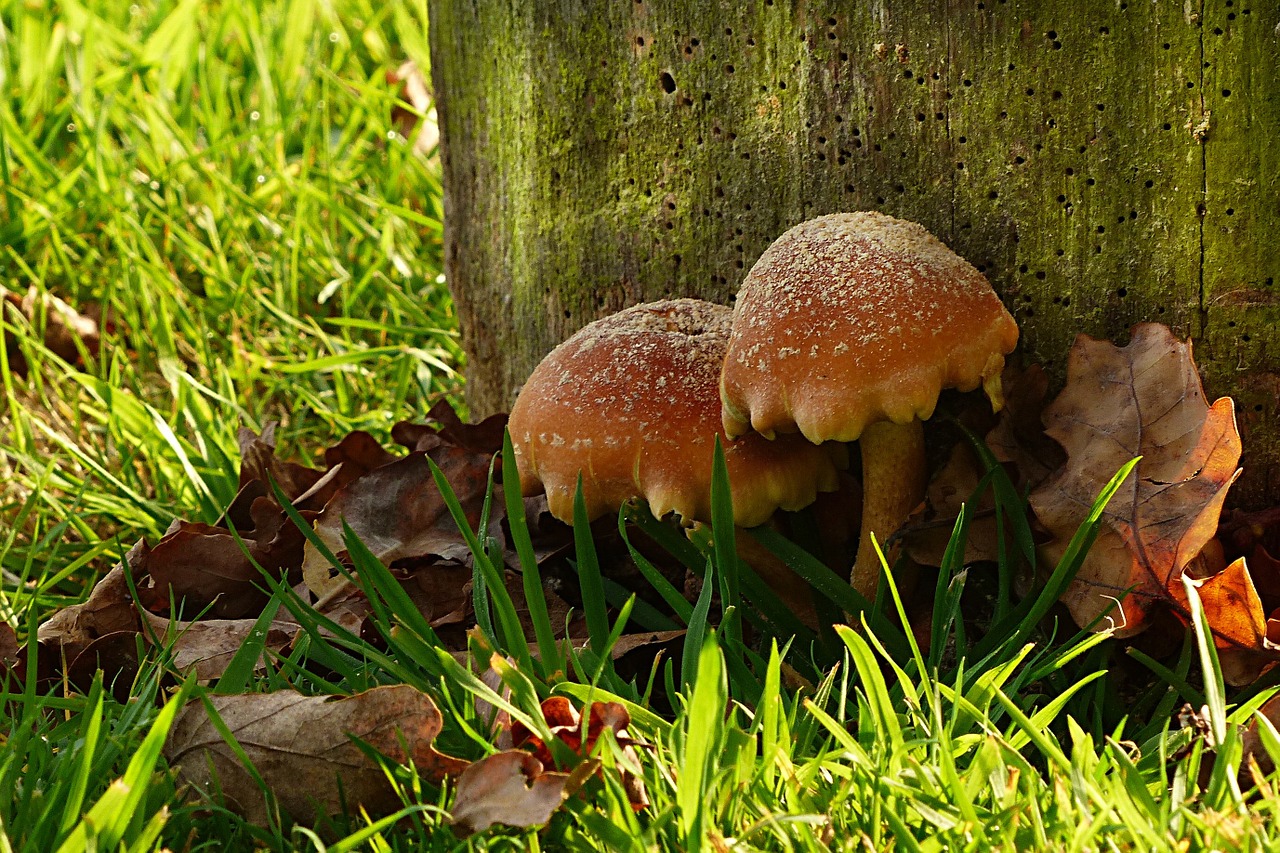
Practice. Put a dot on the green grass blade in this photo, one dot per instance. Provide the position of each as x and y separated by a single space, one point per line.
1015 629
238 675
678 603
703 723
84 762
726 550
508 621
593 599
108 818
1214 690
884 717
698 630
543 630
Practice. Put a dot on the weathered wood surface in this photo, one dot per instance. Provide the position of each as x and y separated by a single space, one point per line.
1104 162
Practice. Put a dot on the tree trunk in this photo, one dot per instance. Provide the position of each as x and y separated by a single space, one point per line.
1103 162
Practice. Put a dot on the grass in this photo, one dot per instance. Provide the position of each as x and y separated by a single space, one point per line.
224 183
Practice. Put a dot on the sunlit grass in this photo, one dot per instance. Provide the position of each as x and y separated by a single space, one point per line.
222 183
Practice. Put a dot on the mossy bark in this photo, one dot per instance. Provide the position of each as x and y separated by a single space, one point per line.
1103 162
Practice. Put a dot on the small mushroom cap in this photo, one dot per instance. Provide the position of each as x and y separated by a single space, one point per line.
631 402
854 318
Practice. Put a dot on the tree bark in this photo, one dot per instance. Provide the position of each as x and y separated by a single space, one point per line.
1103 162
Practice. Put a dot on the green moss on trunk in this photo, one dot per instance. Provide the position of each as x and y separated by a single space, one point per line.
1104 163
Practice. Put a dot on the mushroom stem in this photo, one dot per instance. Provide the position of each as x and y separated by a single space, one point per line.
893 484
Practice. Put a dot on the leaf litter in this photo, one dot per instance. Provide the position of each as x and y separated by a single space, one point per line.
199 588
199 592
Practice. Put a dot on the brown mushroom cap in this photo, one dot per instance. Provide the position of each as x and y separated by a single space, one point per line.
853 318
632 403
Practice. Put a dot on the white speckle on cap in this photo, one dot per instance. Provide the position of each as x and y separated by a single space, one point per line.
899 315
637 393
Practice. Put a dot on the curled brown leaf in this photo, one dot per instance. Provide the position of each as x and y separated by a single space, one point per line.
1142 400
569 728
510 788
108 609
202 565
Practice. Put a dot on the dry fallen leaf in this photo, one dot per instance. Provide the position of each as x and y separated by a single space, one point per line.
396 510
1236 617
108 609
1019 442
202 564
1018 436
8 645
927 535
303 750
205 647
512 789
358 453
1255 754
443 426
114 657
65 329
566 723
258 462
1255 535
415 92
1144 399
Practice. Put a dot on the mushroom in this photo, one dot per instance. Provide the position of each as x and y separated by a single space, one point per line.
631 403
847 328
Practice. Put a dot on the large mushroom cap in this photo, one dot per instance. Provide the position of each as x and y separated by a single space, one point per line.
853 318
631 402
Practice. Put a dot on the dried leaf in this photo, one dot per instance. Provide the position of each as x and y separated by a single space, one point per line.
566 724
65 328
509 788
205 647
629 643
927 535
8 645
1239 626
302 748
1145 400
358 453
115 657
108 609
442 592
200 564
1019 436
415 92
443 426
1090 603
1256 536
1244 530
258 462
398 513
1252 741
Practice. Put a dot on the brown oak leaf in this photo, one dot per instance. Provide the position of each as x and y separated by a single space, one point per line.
398 513
1144 399
258 462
